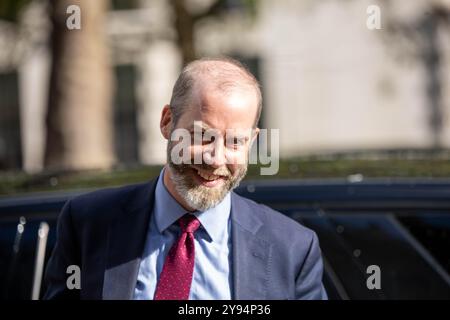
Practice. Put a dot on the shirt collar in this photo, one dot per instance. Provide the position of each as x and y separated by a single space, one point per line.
167 211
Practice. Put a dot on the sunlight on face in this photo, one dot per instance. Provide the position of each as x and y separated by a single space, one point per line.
220 126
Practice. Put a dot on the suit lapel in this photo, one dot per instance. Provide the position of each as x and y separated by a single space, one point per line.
251 253
126 240
127 235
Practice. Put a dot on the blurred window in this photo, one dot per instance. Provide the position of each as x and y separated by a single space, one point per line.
433 232
10 144
125 126
353 242
254 65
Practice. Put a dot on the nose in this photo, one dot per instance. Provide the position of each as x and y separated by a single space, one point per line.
216 155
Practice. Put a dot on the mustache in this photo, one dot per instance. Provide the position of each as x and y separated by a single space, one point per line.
222 171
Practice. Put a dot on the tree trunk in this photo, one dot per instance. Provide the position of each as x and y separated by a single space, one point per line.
184 26
79 119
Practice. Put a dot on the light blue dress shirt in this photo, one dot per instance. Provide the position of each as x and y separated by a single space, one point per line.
212 278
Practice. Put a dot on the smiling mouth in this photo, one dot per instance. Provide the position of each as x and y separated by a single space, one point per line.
207 178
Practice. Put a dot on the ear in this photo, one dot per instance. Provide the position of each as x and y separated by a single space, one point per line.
254 135
165 123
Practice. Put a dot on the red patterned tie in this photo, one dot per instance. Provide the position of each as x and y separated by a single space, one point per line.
176 276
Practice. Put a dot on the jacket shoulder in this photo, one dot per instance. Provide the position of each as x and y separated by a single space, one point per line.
276 223
106 203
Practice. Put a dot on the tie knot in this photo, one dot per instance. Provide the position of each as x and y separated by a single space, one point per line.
189 223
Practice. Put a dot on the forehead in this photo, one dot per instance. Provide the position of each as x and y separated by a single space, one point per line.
234 108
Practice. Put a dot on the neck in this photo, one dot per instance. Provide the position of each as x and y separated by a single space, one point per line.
168 183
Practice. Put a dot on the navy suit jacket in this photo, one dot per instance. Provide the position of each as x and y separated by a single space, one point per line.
104 232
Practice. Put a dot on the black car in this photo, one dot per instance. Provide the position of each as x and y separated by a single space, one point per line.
380 239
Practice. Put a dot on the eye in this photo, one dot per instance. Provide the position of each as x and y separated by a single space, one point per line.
235 141
208 139
202 138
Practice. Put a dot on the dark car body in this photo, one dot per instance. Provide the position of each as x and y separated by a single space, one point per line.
402 227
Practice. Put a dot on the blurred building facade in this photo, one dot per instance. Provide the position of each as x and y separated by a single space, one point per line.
329 83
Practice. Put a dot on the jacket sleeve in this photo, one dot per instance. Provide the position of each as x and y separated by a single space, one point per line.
64 254
309 284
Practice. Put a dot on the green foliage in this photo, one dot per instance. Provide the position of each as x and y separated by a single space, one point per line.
10 9
124 4
19 182
251 6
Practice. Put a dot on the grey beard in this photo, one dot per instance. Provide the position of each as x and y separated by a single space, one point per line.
199 197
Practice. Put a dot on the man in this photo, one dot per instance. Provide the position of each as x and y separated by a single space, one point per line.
186 235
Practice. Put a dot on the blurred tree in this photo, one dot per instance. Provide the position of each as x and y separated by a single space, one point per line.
79 119
423 34
185 21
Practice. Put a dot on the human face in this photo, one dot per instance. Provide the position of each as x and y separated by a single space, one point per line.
229 117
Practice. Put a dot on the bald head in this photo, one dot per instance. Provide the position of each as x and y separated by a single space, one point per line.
221 74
